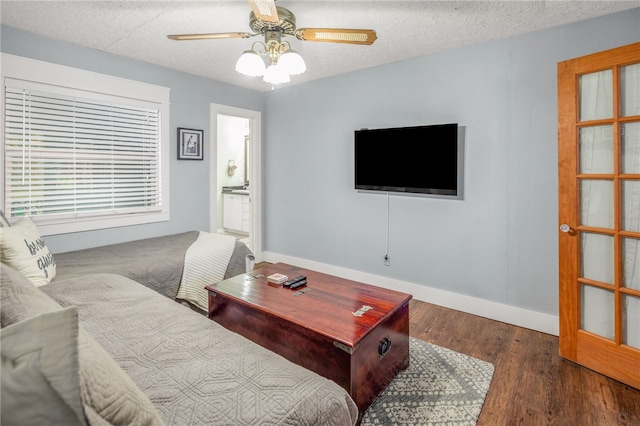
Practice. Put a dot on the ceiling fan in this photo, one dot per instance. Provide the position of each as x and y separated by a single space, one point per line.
274 23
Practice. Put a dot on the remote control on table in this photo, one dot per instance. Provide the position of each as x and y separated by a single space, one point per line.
294 280
298 284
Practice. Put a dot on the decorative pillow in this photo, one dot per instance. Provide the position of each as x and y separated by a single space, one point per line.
4 222
39 375
20 299
109 396
22 248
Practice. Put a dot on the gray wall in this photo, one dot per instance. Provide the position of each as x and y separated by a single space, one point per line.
500 242
190 99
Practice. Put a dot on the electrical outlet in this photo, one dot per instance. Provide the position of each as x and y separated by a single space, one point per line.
387 260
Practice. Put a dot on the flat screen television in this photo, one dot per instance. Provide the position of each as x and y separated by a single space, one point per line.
420 159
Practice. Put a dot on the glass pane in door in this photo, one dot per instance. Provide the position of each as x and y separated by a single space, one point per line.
597 311
597 257
630 90
596 150
596 203
596 95
631 321
631 148
631 205
631 263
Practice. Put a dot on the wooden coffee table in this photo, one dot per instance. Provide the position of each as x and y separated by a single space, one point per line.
352 333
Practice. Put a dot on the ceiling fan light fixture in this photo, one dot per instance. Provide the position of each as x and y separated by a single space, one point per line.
274 23
275 74
292 62
250 63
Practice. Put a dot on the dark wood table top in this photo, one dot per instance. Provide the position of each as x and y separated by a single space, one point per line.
327 305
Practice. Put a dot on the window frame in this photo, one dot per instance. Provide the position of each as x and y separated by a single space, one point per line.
74 79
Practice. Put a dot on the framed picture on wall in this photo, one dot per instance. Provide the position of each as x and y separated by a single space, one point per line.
190 144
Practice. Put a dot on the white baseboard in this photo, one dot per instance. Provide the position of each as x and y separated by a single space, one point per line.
520 317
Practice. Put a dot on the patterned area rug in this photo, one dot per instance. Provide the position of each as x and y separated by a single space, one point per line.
440 387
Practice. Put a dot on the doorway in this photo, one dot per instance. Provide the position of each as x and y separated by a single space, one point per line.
235 175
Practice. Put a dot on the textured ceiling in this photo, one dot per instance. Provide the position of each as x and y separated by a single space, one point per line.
405 29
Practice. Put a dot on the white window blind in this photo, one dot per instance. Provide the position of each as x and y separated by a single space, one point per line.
73 156
82 150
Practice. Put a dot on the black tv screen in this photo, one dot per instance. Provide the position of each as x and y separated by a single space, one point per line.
420 159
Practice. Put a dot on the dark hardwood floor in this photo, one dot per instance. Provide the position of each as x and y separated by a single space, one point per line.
531 384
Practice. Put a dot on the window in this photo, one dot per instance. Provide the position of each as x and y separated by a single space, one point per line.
83 156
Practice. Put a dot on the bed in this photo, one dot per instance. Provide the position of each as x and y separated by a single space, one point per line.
145 359
157 263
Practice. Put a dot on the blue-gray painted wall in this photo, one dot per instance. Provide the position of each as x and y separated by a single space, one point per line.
498 244
501 242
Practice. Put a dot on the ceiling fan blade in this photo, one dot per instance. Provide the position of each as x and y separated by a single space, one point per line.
210 36
337 35
265 10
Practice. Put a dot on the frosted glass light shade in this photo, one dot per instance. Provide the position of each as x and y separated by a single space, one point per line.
275 74
251 64
292 62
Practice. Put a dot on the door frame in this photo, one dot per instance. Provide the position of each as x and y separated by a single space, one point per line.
255 160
